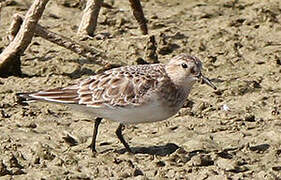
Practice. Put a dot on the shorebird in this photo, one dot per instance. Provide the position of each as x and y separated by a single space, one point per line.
130 94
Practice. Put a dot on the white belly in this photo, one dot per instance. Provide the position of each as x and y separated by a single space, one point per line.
139 114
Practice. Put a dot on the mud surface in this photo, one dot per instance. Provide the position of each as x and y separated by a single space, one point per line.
234 132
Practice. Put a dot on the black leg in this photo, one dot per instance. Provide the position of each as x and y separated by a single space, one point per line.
93 143
121 138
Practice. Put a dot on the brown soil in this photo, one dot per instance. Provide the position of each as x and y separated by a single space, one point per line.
239 43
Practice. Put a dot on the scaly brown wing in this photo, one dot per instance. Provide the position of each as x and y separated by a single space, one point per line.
117 87
120 87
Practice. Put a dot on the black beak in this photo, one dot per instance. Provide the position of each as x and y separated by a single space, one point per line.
205 80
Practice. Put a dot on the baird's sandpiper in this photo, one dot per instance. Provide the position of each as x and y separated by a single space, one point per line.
130 94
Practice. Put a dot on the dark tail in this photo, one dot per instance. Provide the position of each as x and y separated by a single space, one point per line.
24 98
67 95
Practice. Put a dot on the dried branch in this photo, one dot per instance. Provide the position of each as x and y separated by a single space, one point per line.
91 13
138 13
14 27
82 50
90 17
10 57
151 50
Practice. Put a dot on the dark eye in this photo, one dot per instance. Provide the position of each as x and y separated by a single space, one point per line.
184 65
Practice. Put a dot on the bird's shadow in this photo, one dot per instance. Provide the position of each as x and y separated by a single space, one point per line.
162 150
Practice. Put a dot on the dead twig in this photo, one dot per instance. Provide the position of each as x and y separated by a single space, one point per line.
90 17
80 49
138 13
10 57
91 13
14 27
151 50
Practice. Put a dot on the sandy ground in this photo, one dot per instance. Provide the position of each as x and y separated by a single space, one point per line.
231 133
